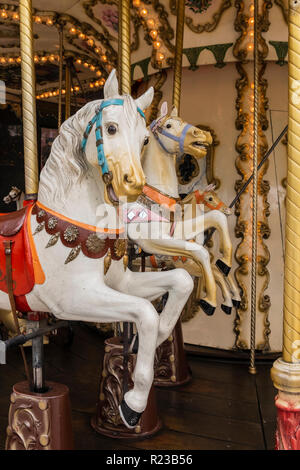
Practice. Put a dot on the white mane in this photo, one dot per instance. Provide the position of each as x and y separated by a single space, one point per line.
67 163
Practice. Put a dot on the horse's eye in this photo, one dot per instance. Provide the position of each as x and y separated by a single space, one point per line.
111 129
146 141
210 198
168 126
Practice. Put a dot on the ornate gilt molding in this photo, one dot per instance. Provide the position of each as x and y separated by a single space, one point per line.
88 8
208 26
284 6
243 227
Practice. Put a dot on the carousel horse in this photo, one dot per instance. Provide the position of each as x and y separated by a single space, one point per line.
15 195
170 135
69 258
210 201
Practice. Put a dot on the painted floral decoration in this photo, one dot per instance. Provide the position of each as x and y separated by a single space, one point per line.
110 18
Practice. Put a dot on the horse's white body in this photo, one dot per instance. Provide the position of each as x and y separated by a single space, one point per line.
160 171
71 184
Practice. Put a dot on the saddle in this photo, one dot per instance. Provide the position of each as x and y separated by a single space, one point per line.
14 228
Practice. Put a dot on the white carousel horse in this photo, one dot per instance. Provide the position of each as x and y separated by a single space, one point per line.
211 201
15 195
83 171
162 187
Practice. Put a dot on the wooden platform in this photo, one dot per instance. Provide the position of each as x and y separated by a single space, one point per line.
223 407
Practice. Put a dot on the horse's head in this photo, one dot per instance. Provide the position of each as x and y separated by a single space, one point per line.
211 200
13 195
177 136
116 146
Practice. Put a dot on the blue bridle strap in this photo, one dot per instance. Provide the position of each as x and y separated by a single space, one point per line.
97 119
162 131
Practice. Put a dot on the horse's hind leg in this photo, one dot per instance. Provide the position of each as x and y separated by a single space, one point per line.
96 302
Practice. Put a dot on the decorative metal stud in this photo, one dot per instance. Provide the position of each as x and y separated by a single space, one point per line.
52 222
39 228
94 243
41 214
73 254
120 247
53 240
71 233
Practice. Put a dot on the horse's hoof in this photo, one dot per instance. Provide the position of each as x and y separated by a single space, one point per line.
129 417
226 309
223 267
236 303
207 308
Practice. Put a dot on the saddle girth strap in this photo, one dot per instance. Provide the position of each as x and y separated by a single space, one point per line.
8 244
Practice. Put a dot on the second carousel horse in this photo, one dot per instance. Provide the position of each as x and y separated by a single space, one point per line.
162 189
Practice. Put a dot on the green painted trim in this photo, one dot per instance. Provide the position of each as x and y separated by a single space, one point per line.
143 64
281 48
192 54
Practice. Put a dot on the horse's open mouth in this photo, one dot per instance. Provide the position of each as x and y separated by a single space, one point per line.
200 145
112 195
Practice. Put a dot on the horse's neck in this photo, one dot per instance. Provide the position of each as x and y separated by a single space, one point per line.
160 168
82 201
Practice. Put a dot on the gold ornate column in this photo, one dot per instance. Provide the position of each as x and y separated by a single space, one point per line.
251 122
286 370
28 100
178 53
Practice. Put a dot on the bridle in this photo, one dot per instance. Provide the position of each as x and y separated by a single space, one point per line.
97 119
200 199
156 128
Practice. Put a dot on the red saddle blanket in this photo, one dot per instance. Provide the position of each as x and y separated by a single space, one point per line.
14 227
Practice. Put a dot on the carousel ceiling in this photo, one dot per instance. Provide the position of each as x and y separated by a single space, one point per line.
90 32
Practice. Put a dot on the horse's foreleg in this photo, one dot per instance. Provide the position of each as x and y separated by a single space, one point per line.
226 305
175 247
236 298
179 285
218 220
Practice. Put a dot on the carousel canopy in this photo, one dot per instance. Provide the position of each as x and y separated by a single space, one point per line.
90 40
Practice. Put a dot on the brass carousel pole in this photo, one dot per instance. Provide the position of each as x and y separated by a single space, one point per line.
172 350
117 348
178 53
61 58
124 47
68 90
52 409
252 367
28 100
286 370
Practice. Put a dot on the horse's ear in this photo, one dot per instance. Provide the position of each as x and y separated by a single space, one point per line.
144 101
174 112
164 109
111 87
210 187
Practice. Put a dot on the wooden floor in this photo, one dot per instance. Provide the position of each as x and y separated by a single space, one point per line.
223 407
